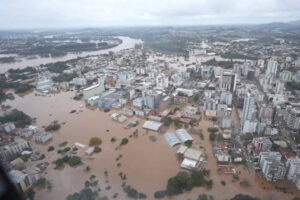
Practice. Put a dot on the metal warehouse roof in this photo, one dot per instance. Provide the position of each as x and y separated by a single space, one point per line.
152 125
192 154
91 87
188 163
183 135
182 149
171 138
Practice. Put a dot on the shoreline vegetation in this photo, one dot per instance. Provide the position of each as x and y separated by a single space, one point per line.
185 181
52 49
224 64
19 118
9 59
19 80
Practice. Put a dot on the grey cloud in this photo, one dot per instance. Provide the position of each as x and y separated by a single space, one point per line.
86 13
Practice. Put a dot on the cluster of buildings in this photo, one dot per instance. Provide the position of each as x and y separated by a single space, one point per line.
19 144
140 81
169 88
16 148
276 167
177 137
192 159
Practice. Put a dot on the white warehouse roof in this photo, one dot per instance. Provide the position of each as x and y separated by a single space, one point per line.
91 87
152 125
171 138
183 135
188 163
182 149
192 154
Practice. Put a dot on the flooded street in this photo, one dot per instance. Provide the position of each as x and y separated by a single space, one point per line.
23 62
147 164
156 163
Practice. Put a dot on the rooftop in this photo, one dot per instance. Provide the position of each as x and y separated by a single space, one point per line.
192 154
172 139
91 87
183 135
152 125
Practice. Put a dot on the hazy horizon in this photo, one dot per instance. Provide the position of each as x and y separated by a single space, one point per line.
42 14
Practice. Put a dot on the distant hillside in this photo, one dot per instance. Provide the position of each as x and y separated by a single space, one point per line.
283 25
297 22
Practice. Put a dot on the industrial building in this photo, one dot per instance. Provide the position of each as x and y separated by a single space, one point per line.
94 90
152 125
172 139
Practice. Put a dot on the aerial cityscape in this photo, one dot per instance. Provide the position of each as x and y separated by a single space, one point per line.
151 111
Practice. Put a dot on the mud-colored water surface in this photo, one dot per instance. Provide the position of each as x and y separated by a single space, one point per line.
147 164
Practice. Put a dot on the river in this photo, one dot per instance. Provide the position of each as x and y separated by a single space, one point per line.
23 62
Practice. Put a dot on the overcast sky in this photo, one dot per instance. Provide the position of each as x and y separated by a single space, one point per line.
19 14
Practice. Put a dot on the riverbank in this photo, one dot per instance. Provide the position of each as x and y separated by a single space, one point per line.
23 62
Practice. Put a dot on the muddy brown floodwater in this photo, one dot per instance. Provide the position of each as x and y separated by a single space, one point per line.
147 164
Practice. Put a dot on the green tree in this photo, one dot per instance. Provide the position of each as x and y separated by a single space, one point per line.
160 194
54 126
223 183
188 143
167 121
74 160
131 192
197 178
202 197
95 141
209 183
243 197
88 168
97 149
212 136
59 163
51 148
19 118
124 141
2 96
212 130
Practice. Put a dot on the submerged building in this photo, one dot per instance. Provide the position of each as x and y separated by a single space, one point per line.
94 90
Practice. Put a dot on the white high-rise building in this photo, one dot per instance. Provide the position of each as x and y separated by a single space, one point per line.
293 167
80 81
248 123
162 80
226 97
272 67
279 87
260 63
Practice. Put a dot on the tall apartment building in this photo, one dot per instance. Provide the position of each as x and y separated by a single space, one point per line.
272 67
21 180
226 97
228 81
271 166
286 76
162 80
152 99
262 143
80 81
11 150
248 121
293 165
292 117
265 112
